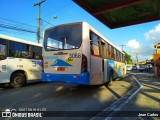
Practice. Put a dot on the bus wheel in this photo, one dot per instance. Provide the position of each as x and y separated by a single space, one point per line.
110 79
17 80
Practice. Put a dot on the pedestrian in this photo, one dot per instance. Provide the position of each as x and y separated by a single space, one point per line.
158 67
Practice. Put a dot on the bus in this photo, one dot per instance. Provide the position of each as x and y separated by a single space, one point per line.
77 53
20 61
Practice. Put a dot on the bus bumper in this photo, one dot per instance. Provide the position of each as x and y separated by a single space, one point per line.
82 78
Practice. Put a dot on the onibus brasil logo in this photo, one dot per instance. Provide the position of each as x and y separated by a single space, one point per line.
14 113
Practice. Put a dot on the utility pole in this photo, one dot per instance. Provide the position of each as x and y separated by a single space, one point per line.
136 58
122 46
39 18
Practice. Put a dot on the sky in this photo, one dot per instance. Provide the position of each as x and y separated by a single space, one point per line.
139 39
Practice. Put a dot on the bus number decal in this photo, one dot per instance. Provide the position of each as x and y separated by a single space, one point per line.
35 63
19 66
75 55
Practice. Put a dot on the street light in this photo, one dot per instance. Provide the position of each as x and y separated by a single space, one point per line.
54 17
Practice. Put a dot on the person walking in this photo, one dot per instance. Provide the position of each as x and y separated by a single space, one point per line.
158 67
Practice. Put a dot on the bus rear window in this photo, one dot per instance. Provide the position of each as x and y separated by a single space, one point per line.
63 37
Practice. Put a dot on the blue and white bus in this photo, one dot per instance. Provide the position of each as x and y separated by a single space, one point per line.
20 61
77 53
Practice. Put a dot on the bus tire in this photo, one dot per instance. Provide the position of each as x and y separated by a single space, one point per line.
110 79
17 80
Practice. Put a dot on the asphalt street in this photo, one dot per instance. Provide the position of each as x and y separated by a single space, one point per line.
55 97
63 96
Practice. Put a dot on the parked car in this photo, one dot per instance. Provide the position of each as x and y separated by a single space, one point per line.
134 68
129 67
142 68
149 66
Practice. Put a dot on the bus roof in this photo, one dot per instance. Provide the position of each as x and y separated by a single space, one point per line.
19 40
91 28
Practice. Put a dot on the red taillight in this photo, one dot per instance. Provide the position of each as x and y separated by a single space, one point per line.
42 65
60 69
84 63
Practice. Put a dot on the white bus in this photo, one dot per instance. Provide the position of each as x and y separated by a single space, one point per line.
77 53
20 61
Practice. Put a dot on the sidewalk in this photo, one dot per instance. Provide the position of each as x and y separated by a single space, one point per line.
146 102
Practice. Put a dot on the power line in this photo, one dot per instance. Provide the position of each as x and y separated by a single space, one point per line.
16 28
9 26
14 22
58 10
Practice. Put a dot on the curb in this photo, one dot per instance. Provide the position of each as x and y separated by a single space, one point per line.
139 85
121 102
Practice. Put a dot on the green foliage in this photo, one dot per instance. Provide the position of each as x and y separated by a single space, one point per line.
128 58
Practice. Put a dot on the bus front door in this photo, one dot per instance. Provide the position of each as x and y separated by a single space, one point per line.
3 64
3 71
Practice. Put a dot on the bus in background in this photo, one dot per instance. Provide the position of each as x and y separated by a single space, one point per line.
77 53
20 61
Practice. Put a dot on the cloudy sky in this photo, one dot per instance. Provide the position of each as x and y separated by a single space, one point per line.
139 39
144 50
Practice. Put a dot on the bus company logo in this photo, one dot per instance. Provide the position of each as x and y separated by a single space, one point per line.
67 63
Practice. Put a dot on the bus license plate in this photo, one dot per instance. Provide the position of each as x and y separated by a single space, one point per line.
60 69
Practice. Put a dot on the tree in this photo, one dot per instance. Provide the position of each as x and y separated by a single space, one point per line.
128 58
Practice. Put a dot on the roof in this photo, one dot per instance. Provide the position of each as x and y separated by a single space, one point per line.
19 40
120 13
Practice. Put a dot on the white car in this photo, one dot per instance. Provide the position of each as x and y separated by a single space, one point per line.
149 66
129 67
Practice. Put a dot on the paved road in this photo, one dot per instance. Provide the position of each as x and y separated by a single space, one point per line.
146 103
63 96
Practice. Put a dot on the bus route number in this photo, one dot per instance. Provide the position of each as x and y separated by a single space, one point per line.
75 55
35 63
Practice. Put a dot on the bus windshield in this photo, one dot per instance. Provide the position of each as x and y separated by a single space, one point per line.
63 37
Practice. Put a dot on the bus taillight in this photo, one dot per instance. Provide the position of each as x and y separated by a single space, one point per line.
42 65
84 63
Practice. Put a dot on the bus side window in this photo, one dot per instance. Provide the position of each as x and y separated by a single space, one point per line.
36 51
103 49
115 55
91 48
121 57
16 49
3 53
109 51
33 55
94 44
112 52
